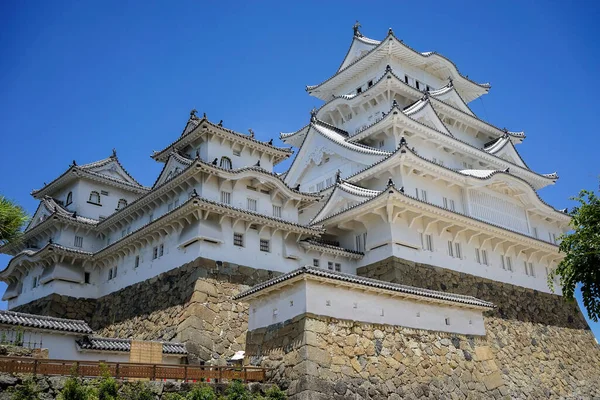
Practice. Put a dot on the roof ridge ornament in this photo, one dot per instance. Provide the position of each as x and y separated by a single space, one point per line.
388 68
251 131
74 164
390 32
257 163
194 193
403 142
220 123
394 103
338 176
214 162
356 29
193 113
313 114
114 153
390 182
450 81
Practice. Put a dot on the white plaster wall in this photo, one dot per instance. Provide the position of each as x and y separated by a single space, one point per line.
356 305
108 203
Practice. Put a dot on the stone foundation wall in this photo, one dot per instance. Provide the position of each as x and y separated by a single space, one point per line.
191 304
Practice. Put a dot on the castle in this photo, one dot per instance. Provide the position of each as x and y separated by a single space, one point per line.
405 251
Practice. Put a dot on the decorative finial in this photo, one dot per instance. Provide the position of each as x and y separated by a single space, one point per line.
507 170
271 142
193 114
565 210
390 182
403 141
50 241
215 161
356 29
402 189
74 163
114 153
390 31
338 176
204 116
194 193
297 188
221 123
74 214
251 131
388 68
313 114
257 163
394 103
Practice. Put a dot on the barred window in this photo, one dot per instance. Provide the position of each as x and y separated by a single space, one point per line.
238 239
78 241
338 267
330 265
426 242
277 211
225 197
251 204
155 253
316 262
265 245
225 162
161 250
94 197
137 262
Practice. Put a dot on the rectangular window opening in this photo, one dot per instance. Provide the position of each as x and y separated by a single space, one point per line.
238 239
265 245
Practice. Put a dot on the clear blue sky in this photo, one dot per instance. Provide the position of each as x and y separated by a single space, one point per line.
79 78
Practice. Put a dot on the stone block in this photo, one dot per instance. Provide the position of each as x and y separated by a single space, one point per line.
493 380
205 286
483 353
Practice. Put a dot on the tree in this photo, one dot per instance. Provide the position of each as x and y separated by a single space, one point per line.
12 219
581 264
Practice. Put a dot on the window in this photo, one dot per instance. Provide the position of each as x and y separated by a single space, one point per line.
251 204
330 265
447 321
151 217
123 233
265 245
161 250
176 203
361 242
358 90
428 88
449 204
329 181
481 256
506 263
69 198
466 165
104 193
454 249
338 267
535 232
238 239
154 253
529 269
237 153
426 242
450 249
381 143
423 194
136 263
86 277
457 250
406 79
35 282
169 207
277 211
121 204
78 241
110 274
370 83
225 197
316 262
225 162
417 84
115 272
94 197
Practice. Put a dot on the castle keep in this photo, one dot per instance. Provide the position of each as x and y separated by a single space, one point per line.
404 253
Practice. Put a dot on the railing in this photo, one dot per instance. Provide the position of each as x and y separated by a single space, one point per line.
22 365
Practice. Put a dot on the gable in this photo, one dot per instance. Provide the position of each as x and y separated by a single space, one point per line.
172 167
322 146
450 96
358 48
111 169
505 149
424 113
39 216
344 196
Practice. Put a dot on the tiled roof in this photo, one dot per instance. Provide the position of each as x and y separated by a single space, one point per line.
43 322
374 283
317 243
114 344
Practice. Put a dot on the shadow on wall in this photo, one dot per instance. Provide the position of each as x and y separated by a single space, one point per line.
512 302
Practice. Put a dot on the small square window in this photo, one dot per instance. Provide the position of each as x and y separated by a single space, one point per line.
238 239
338 267
358 90
265 245
316 262
370 83
330 265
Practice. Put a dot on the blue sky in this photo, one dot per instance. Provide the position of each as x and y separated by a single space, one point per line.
79 78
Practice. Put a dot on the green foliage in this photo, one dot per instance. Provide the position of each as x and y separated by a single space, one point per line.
274 393
107 385
12 219
237 391
75 389
172 396
139 391
201 392
27 391
581 264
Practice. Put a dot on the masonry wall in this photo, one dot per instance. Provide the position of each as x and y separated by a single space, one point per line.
190 304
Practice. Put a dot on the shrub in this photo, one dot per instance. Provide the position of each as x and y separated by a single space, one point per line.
201 392
172 396
107 385
75 389
27 391
237 391
138 391
274 393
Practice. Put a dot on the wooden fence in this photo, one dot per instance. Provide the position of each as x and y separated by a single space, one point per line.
198 373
